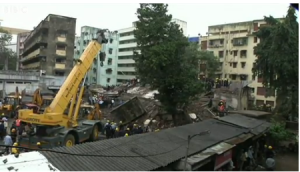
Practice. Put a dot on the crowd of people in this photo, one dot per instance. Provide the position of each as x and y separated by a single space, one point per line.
114 130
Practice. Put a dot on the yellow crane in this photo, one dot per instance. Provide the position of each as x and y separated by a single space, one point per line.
59 124
11 103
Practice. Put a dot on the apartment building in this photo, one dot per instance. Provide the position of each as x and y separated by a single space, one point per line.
49 48
101 75
21 37
233 44
127 44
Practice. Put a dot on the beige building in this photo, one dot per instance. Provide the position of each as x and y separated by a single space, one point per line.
233 44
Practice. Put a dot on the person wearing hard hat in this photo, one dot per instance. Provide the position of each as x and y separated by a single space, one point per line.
108 130
126 135
140 130
13 134
39 145
113 129
15 150
127 131
135 129
270 152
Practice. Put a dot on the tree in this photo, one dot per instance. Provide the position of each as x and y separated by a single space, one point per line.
277 61
7 56
166 60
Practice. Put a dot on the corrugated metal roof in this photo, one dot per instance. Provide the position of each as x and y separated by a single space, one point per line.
256 126
169 145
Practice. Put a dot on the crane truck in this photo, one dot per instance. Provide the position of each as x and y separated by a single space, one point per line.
60 124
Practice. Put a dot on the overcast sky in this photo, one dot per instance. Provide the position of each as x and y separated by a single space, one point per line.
118 16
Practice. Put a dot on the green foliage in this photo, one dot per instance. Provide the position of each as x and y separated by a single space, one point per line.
6 53
167 61
278 132
277 61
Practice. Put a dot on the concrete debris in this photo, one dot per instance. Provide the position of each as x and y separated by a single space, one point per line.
150 95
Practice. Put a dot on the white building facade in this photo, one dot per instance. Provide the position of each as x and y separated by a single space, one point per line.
127 44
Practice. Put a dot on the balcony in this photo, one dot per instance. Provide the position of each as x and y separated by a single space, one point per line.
129 45
32 55
123 38
216 46
40 39
61 52
240 41
233 71
126 61
35 65
126 69
125 53
127 77
60 66
61 39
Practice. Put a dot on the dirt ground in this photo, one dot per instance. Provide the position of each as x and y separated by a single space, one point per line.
287 162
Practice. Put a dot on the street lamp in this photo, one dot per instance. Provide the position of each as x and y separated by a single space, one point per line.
188 145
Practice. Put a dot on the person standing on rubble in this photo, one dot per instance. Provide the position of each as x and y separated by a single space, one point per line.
2 130
113 129
7 142
108 130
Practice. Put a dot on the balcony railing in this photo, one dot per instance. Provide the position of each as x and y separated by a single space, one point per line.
216 46
61 39
32 65
60 66
61 52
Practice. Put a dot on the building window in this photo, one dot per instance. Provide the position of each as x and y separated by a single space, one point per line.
243 53
259 102
234 65
111 41
235 53
261 91
110 50
255 40
243 64
221 54
233 77
62 34
108 80
109 61
108 71
60 47
271 103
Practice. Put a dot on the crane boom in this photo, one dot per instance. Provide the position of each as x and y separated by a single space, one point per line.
54 113
69 90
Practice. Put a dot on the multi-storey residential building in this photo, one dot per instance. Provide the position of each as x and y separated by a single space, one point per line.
233 44
20 47
49 48
127 44
101 75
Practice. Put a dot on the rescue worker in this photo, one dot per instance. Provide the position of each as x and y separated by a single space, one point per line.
39 145
121 126
113 129
126 135
108 130
7 142
270 164
2 130
269 152
15 150
135 129
13 133
117 132
221 107
121 133
140 130
127 131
